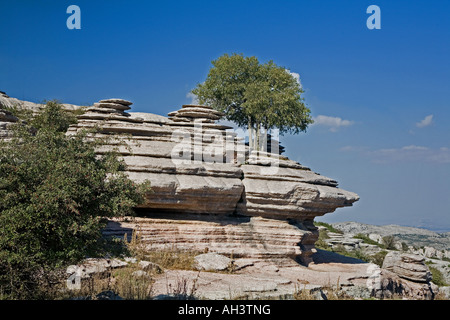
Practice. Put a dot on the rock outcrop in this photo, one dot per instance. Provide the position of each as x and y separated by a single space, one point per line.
209 190
6 119
407 266
8 102
202 173
242 237
406 275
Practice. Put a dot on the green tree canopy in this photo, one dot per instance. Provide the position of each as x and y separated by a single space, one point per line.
55 193
255 95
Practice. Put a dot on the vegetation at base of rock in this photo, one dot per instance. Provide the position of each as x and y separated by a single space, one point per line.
55 193
436 276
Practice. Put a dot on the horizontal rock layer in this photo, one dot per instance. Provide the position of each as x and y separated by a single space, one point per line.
230 235
197 166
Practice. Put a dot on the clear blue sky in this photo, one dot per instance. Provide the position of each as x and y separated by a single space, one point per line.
381 98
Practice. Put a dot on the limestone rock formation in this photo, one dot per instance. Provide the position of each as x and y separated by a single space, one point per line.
242 237
406 275
6 118
199 167
212 262
7 101
208 188
407 266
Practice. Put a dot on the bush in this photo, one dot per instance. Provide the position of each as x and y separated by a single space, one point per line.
389 242
437 277
366 239
53 118
55 193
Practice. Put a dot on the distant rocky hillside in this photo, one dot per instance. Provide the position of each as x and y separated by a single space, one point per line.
416 237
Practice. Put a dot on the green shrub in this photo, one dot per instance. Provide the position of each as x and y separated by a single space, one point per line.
378 258
55 193
388 242
54 118
366 239
328 226
437 276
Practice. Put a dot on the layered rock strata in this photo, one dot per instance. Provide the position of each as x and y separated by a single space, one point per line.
241 237
9 102
214 193
6 119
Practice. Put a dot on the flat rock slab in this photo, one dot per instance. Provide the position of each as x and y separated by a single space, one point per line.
260 279
119 101
111 105
212 262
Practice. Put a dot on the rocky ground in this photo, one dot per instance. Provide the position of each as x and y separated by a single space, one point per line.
329 276
434 247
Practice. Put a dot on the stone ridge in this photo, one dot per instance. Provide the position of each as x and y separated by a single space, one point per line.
6 119
214 192
208 200
215 186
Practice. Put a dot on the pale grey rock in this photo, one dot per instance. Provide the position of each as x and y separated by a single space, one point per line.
212 262
408 266
392 284
110 105
239 237
216 184
7 101
117 101
130 259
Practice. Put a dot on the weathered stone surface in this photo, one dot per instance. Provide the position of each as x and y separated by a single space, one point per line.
7 101
6 119
118 101
110 105
94 267
191 172
302 195
202 169
392 284
407 266
242 237
212 262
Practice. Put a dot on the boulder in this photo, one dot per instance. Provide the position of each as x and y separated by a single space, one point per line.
197 167
212 262
407 266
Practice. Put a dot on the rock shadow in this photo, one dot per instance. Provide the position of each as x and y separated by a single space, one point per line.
323 256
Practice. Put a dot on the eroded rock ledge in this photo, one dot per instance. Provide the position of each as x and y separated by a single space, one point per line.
209 190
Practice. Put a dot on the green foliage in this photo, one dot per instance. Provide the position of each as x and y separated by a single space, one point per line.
378 258
328 226
366 239
55 193
254 95
437 276
389 242
53 118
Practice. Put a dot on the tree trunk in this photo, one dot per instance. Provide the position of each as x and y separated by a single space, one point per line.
251 143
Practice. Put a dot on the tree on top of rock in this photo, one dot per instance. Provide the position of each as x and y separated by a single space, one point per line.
255 96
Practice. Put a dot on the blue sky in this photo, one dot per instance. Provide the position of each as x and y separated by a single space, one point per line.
381 98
